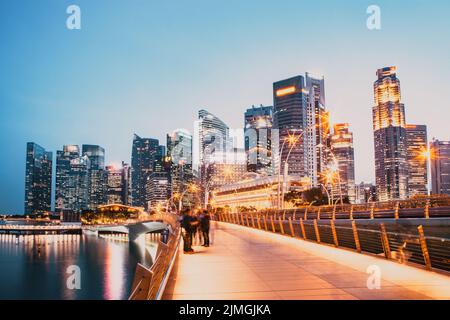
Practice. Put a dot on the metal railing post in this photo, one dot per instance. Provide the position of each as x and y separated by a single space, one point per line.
284 215
242 220
334 213
333 230
427 210
306 214
385 242
351 212
293 215
302 228
316 229
258 222
424 247
372 208
272 223
253 220
318 214
246 220
280 222
396 209
265 222
291 227
356 236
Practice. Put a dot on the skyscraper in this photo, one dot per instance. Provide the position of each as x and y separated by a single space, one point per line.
290 118
72 180
143 156
38 179
258 139
342 152
318 128
417 156
117 184
97 175
158 183
179 150
391 169
440 166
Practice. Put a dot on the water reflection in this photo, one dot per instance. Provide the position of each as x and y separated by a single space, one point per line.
34 267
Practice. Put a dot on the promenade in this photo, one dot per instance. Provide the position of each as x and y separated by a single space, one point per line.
245 263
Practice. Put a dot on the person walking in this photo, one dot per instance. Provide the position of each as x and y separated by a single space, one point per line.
204 227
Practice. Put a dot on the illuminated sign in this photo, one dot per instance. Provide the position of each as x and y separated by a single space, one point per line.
285 91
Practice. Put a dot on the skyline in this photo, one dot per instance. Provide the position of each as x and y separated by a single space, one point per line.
31 110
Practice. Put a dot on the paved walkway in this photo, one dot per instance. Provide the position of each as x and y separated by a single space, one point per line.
245 263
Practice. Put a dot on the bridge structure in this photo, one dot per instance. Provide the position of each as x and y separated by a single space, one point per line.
134 230
39 229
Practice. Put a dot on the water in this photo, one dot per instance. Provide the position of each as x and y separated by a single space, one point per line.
35 267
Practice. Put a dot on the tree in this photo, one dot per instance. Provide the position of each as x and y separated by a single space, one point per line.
315 196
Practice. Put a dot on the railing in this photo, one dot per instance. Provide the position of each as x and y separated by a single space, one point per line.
416 249
428 207
149 283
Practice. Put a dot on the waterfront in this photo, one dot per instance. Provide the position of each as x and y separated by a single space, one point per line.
35 267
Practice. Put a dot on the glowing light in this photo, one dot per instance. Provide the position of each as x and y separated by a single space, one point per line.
285 91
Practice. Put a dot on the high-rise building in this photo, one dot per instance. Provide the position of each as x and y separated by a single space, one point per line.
97 175
417 155
143 156
366 192
179 151
290 118
343 154
72 180
117 184
38 179
440 166
258 139
391 168
158 183
318 128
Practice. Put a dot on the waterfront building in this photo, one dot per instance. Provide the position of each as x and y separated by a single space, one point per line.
391 168
114 186
365 192
97 175
417 155
158 183
343 156
258 139
440 166
38 179
143 157
72 180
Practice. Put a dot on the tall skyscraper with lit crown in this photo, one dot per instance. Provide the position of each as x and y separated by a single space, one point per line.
391 168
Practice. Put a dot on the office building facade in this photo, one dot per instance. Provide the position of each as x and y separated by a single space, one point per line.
417 155
440 166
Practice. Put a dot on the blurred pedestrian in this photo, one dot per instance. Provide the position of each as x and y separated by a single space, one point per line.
204 227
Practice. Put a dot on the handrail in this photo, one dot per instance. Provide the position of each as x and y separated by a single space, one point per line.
157 276
417 250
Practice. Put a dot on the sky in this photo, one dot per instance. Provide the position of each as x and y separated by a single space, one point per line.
147 67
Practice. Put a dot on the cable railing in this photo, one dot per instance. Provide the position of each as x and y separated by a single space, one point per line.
150 283
415 248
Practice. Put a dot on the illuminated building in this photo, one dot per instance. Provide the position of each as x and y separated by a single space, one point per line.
38 179
252 191
72 180
258 141
318 126
158 183
417 155
440 166
365 192
391 169
179 149
97 175
290 118
343 154
117 184
144 154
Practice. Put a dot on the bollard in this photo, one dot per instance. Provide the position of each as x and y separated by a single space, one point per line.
424 247
316 229
351 212
333 230
385 242
272 223
302 228
356 237
265 222
291 227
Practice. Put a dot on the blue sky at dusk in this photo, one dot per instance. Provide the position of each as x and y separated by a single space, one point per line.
148 66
